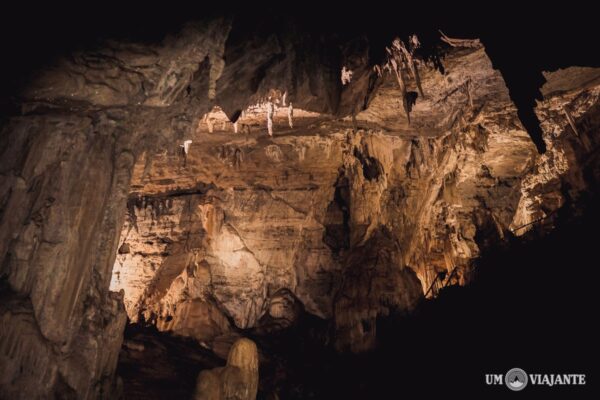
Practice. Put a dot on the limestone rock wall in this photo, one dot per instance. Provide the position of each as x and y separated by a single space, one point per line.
240 217
68 145
96 193
67 159
65 179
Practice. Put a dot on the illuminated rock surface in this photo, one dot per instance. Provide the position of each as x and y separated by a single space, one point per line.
243 216
237 380
347 214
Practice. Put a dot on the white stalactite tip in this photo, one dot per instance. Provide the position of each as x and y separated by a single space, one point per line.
270 113
291 115
346 75
186 146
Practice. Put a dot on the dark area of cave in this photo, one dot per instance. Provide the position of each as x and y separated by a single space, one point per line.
298 201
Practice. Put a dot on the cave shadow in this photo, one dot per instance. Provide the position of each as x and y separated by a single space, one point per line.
159 365
531 305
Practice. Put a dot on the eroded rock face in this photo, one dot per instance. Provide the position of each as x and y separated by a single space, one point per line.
300 210
66 166
64 181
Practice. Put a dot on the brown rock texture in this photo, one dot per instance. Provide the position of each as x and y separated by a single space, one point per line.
237 380
348 213
66 166
241 217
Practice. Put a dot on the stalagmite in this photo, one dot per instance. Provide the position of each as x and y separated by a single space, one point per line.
291 115
237 380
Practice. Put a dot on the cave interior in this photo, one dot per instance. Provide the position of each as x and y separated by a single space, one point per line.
331 202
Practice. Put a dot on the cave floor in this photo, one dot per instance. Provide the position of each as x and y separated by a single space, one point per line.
158 365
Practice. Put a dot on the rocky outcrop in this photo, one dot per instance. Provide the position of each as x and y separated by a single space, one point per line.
66 166
297 209
64 181
237 380
81 368
68 150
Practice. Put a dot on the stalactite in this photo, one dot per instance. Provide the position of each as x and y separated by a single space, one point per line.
470 96
378 71
147 165
472 43
413 45
400 57
270 113
186 146
571 121
291 115
397 68
346 75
